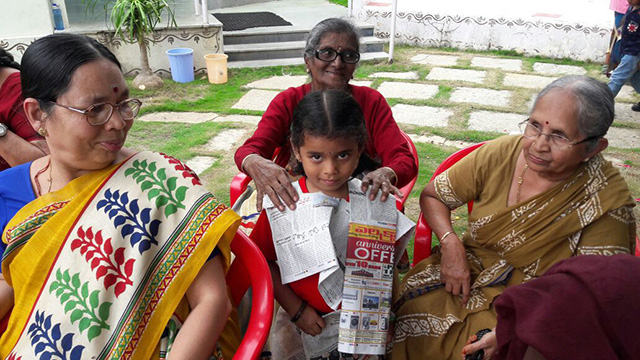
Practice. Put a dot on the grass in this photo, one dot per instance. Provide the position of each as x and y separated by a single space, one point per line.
185 141
339 2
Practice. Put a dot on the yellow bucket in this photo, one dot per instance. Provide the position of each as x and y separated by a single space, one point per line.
216 68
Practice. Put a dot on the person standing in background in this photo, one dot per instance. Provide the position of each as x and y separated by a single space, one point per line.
627 70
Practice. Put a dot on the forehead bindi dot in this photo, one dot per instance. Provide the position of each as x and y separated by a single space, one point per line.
546 122
115 89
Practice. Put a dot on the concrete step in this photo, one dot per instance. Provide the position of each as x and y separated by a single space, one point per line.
271 35
287 49
296 61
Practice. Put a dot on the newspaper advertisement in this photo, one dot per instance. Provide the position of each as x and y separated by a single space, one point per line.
303 241
371 253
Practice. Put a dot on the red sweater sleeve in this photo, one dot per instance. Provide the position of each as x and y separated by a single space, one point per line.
273 128
386 141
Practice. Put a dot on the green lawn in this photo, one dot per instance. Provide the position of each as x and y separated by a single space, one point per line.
185 141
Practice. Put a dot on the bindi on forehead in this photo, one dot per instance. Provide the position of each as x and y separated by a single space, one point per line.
546 122
115 89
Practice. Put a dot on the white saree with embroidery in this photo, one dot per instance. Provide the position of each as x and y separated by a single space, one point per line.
590 213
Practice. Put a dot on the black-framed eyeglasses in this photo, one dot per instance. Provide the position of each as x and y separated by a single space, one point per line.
556 141
100 113
329 54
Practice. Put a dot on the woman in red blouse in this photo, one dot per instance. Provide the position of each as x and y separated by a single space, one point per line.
331 54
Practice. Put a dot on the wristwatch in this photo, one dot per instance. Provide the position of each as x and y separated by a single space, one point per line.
3 129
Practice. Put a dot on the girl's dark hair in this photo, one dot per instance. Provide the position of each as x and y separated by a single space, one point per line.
6 60
49 63
332 114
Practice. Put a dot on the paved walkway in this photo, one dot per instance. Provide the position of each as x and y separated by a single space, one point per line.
490 91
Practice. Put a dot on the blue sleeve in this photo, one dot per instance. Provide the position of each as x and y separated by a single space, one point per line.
3 224
214 253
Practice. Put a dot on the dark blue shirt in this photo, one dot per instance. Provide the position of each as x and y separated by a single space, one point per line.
630 44
15 193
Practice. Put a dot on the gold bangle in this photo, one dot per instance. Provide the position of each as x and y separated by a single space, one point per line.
445 235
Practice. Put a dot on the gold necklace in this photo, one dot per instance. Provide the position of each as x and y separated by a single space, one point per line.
520 181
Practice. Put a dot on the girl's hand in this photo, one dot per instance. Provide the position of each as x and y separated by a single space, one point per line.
381 179
489 343
310 322
454 271
272 180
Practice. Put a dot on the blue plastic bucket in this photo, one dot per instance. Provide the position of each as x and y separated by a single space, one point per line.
181 61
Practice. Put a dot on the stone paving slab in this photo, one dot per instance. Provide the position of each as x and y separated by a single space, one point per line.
505 123
361 83
256 100
474 76
403 90
623 138
527 81
421 115
200 164
180 117
481 96
409 75
225 140
279 82
494 63
627 93
556 69
439 140
437 60
247 119
625 114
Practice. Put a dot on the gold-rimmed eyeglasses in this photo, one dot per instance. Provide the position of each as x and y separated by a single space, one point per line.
556 141
100 113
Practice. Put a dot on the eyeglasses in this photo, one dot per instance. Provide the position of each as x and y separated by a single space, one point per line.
556 141
328 55
100 113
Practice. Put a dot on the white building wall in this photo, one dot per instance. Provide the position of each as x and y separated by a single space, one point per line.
36 20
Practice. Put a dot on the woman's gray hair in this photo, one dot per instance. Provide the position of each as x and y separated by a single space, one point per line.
330 25
594 104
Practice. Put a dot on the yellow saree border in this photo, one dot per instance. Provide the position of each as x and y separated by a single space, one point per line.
39 232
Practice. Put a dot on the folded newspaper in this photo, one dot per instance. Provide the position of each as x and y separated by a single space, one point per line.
353 245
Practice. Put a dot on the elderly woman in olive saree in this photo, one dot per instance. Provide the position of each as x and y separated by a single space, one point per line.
560 198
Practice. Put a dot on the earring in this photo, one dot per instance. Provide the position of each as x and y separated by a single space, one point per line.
587 159
42 132
308 71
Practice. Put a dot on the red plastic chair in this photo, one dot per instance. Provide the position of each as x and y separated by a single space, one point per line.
250 269
422 242
241 181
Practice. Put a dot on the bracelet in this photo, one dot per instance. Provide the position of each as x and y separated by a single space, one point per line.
298 315
445 235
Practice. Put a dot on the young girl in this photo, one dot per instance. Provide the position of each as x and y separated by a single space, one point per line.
328 135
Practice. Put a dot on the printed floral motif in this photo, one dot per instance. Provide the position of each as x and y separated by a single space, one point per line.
135 223
86 307
186 171
164 190
106 263
48 342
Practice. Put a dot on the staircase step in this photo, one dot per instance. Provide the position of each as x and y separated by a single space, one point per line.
262 35
287 49
369 56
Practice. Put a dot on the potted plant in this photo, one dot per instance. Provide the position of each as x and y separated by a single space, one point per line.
133 21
